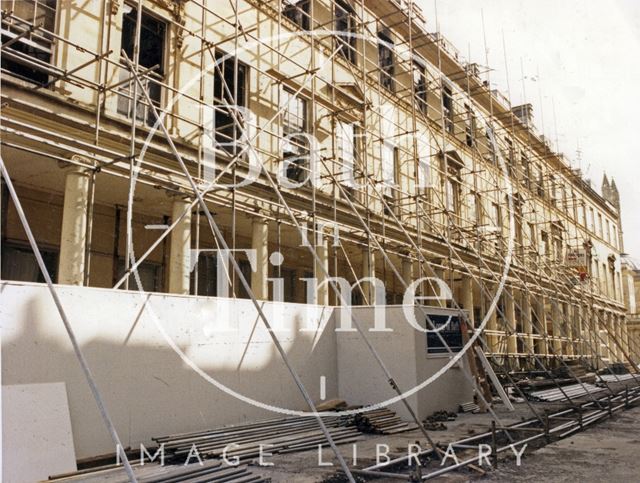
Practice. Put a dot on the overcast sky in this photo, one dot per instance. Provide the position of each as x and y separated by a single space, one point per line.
580 59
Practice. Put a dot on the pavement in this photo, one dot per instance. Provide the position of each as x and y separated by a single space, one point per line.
608 452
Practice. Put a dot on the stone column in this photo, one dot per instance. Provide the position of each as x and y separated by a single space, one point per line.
589 330
439 273
625 335
577 330
467 298
527 325
369 270
407 269
180 252
567 324
603 340
611 334
556 322
620 345
541 326
73 238
260 243
322 250
492 323
510 322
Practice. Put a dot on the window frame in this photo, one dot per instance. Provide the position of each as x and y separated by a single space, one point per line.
387 71
38 46
348 46
151 78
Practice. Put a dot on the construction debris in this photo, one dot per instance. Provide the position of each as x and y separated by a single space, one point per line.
560 394
381 421
208 471
435 422
616 378
243 441
469 407
331 405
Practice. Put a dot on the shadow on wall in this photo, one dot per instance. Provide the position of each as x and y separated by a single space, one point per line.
147 388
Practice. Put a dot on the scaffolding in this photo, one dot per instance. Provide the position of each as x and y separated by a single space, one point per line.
423 165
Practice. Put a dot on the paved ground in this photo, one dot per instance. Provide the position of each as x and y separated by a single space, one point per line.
608 452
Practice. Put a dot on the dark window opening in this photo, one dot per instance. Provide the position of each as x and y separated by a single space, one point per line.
28 54
470 127
451 334
386 61
296 146
229 94
152 51
526 170
491 145
346 24
540 183
290 281
150 274
207 273
298 11
447 104
453 189
20 264
420 85
392 191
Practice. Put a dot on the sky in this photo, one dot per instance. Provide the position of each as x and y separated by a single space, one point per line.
577 62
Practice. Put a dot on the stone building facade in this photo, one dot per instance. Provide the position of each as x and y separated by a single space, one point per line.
391 152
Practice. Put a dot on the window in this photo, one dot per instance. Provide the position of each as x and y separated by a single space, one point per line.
539 181
389 155
580 213
298 11
517 217
447 105
453 190
496 218
451 334
491 145
554 190
558 246
600 225
526 170
533 235
476 204
386 61
296 144
469 126
590 220
28 55
150 276
346 24
544 244
607 233
510 155
420 84
20 264
227 81
245 270
290 280
207 273
346 136
392 180
424 166
152 51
